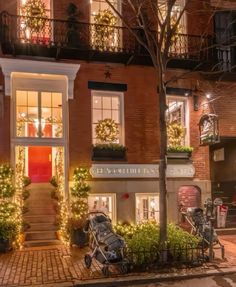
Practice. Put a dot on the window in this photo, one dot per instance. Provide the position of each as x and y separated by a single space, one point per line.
107 105
34 26
176 113
105 34
147 207
38 114
179 42
103 203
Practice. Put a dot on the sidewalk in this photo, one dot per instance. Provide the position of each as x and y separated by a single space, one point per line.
62 267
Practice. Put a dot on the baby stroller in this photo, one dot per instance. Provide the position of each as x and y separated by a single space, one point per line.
107 246
202 227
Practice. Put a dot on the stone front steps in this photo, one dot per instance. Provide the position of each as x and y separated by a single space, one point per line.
41 217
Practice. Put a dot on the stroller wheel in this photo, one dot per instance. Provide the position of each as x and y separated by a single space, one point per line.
105 271
88 260
123 268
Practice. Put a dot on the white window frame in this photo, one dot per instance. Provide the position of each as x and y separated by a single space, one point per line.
186 115
146 195
113 203
122 123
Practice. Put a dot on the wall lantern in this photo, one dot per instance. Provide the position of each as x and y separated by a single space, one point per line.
209 129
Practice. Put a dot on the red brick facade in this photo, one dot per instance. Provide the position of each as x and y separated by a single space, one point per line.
140 104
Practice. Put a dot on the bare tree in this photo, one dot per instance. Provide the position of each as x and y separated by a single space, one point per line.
158 22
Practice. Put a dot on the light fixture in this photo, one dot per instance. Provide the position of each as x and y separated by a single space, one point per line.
208 95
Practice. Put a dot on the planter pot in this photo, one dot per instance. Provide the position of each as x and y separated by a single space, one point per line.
79 237
179 155
106 154
5 245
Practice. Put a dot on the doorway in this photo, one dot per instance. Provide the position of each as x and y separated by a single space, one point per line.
40 163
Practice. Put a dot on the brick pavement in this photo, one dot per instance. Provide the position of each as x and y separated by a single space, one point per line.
62 266
45 265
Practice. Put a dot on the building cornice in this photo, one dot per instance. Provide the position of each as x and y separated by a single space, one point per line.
10 66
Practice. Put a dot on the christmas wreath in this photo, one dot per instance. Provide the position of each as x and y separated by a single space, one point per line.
35 15
107 131
105 22
175 133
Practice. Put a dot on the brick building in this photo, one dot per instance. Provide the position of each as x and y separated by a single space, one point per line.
56 85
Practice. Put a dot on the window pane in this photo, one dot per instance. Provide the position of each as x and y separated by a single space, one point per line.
115 103
106 114
32 99
106 102
97 115
46 114
115 116
21 98
32 113
56 100
46 99
97 102
57 114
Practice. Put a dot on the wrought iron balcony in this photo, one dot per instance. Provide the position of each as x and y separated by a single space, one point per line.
45 37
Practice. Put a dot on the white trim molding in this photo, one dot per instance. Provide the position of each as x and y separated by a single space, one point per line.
10 66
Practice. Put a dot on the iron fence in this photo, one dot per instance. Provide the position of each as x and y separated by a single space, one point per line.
16 29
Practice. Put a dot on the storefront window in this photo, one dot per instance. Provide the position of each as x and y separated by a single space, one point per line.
147 207
103 203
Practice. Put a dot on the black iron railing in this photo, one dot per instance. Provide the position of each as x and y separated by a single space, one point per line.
60 34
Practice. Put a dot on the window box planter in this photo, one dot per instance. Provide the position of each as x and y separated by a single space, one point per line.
108 154
179 155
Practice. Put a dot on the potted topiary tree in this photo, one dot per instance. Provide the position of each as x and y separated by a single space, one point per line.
10 219
175 149
107 148
79 206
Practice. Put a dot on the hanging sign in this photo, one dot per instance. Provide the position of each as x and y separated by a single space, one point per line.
209 130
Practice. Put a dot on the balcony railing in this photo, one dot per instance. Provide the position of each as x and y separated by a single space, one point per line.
70 39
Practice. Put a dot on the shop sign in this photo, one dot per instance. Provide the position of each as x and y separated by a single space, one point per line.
209 130
140 170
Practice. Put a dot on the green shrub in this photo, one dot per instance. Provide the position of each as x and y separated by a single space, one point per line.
143 242
53 181
179 148
109 146
8 229
26 181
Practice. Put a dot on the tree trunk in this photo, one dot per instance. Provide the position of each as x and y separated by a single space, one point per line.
162 164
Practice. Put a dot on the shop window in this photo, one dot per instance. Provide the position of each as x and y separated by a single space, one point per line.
105 34
103 203
107 105
147 207
176 114
39 114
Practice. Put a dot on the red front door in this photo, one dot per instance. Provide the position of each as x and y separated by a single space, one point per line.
40 163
